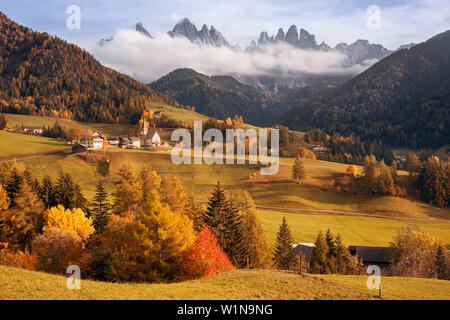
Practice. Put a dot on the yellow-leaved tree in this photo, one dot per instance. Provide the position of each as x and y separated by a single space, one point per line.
71 221
4 200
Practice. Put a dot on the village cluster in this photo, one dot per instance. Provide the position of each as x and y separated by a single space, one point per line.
98 140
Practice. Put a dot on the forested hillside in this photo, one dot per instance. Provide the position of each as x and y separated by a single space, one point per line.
46 75
402 100
220 96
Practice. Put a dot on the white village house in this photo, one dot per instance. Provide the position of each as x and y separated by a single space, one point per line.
135 142
149 138
97 143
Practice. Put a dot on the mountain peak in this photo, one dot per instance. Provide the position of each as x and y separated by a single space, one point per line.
140 28
186 29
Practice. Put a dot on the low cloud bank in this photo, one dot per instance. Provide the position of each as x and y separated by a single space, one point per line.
149 59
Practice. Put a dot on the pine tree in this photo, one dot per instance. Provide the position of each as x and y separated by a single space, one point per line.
432 183
284 255
342 255
258 255
441 263
331 243
298 170
100 208
233 230
319 261
47 193
194 210
64 190
14 184
215 213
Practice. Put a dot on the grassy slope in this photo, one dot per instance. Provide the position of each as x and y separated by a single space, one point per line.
108 129
277 191
399 288
354 230
12 144
242 284
200 180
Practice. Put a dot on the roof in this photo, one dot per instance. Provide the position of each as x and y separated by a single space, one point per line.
151 134
32 127
371 254
125 139
112 138
134 139
306 248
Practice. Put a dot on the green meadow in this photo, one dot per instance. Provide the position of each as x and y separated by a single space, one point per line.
279 191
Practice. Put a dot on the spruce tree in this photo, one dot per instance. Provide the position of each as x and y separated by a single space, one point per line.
225 221
331 243
342 255
233 234
100 208
65 190
47 193
284 254
319 261
215 213
298 170
441 263
14 184
194 210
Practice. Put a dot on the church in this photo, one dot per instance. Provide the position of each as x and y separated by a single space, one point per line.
148 137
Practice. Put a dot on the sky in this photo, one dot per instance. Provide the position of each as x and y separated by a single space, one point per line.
240 21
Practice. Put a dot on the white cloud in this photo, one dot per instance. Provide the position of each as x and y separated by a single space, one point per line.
149 59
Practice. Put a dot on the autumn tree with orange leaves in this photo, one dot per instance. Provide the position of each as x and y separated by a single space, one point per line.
205 257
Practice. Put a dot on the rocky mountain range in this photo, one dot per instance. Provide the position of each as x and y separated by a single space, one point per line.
186 29
357 52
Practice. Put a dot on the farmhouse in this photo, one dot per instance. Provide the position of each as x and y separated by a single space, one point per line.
124 142
113 141
305 248
97 143
371 255
135 142
33 130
